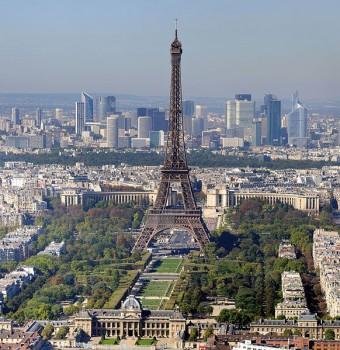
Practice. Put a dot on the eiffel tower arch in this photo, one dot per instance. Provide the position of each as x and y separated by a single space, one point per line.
166 215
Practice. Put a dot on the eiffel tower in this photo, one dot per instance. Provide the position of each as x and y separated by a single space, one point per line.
166 215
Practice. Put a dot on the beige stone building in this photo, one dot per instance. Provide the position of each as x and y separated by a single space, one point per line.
221 197
79 197
290 309
294 301
326 255
131 321
307 325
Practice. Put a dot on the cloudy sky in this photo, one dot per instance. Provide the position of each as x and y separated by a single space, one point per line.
122 46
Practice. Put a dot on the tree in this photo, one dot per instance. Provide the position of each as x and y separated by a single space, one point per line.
237 317
329 334
47 331
288 333
246 299
208 333
297 332
281 317
193 334
62 332
269 295
137 217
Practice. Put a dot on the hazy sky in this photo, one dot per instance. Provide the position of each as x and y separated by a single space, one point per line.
255 46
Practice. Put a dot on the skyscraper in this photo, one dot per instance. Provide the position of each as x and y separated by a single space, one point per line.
158 121
80 121
157 138
59 113
88 106
230 114
142 112
112 131
38 115
240 112
197 127
188 112
273 115
200 111
157 117
144 127
188 108
187 124
15 116
106 105
297 124
256 133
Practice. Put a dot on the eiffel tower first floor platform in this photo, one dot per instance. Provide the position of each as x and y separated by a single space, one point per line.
159 220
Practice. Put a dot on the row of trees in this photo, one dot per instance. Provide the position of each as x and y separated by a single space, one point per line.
244 266
97 255
202 158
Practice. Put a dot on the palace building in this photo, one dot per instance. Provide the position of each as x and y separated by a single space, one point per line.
221 197
84 197
131 320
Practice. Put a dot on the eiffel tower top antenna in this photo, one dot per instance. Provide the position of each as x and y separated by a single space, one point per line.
176 22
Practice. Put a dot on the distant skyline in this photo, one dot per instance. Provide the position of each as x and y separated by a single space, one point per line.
122 46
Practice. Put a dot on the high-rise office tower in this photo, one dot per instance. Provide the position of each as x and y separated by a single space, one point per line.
243 97
121 120
200 111
157 138
157 116
106 105
158 121
112 131
142 112
256 133
197 127
187 124
297 124
38 117
240 112
59 113
80 120
245 111
188 112
144 127
127 123
273 115
88 106
230 114
133 118
188 108
111 104
15 116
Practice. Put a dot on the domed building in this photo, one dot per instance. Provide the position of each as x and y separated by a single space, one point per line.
131 321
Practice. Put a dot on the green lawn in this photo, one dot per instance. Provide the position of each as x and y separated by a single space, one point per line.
169 265
155 289
146 341
151 304
109 341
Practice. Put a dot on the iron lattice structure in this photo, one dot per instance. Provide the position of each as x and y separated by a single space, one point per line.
163 216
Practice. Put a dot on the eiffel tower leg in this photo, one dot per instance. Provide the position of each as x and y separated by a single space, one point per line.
200 232
187 192
144 238
162 194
